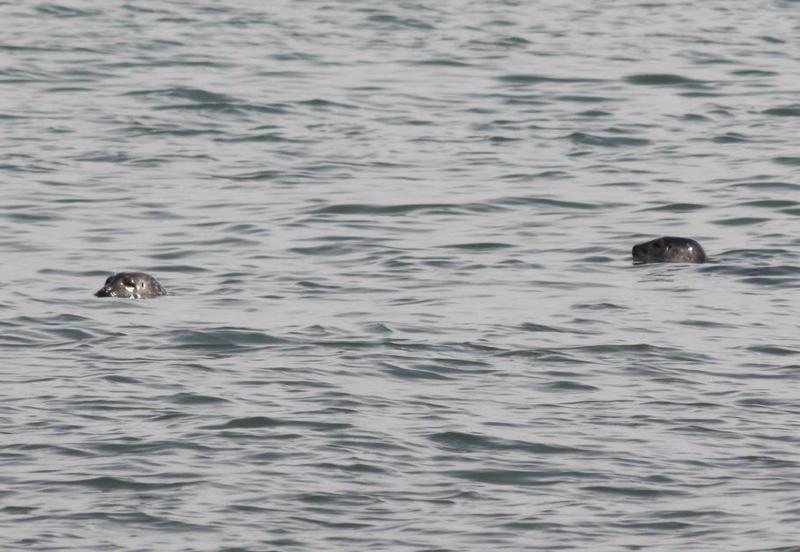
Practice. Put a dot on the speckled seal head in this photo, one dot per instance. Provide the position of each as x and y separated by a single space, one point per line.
668 249
131 285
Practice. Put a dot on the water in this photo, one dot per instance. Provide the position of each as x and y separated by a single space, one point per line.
403 311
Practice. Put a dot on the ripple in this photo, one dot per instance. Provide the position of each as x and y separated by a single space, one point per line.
196 95
392 21
482 246
663 79
65 11
538 79
524 478
786 111
257 422
606 141
739 221
222 338
791 161
107 483
470 441
634 492
730 138
365 209
768 185
677 208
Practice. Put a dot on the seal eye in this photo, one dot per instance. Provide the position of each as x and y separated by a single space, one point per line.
128 282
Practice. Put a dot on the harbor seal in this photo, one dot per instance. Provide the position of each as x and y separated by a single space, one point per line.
131 285
668 249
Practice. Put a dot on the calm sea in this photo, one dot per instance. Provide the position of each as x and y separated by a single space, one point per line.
403 314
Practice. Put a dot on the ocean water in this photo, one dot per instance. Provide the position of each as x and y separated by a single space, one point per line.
403 314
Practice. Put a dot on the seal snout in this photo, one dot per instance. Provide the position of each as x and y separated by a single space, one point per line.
104 291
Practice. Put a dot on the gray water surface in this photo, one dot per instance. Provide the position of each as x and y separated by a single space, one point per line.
403 313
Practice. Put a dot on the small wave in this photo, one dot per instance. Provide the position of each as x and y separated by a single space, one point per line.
65 11
768 185
584 99
222 338
730 138
663 79
108 483
792 161
260 422
442 62
367 209
393 21
197 95
786 111
644 493
472 441
606 141
740 221
677 208
537 79
523 478
478 246
547 202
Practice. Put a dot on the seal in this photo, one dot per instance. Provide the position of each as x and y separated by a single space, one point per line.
131 285
669 249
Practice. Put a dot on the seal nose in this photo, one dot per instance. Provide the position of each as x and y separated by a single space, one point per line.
104 291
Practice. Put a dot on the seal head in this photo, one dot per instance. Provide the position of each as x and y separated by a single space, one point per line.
668 249
131 285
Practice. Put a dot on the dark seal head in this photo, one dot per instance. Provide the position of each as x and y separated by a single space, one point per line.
131 285
667 249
